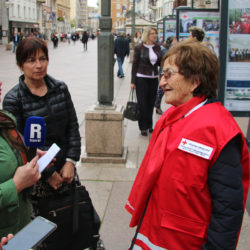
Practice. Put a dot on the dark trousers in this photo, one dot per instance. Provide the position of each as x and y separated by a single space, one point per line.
146 89
159 96
85 46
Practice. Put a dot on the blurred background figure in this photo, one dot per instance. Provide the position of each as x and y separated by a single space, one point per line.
197 33
121 50
15 39
54 40
145 74
85 38
170 41
137 38
68 37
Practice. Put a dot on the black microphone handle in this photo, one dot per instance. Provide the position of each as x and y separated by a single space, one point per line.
31 153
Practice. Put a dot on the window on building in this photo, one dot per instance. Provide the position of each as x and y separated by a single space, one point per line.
118 6
18 10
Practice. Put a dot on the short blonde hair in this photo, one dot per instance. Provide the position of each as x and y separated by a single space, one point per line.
146 32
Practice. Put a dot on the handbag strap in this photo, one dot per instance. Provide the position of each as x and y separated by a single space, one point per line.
132 95
139 225
75 210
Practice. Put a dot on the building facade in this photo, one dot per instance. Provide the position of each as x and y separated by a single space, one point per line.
119 9
83 15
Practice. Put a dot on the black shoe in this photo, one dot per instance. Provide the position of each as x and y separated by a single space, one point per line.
159 111
99 246
150 130
144 132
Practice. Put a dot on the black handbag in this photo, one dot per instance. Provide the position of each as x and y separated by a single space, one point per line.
77 221
132 111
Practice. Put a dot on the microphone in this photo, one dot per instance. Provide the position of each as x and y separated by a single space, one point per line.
34 134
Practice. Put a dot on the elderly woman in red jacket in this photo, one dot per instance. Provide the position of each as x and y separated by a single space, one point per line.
191 188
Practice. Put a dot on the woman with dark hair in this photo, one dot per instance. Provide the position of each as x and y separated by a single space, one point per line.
145 73
191 188
39 94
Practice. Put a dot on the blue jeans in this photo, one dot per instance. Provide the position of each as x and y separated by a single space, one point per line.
14 46
120 61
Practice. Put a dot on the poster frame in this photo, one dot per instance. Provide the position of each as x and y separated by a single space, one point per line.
166 18
224 29
158 24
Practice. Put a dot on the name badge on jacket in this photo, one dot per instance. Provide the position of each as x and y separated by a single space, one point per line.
196 148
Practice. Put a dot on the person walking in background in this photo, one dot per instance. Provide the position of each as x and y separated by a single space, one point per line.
85 38
197 33
54 40
171 40
68 37
16 174
16 39
145 74
191 188
121 50
137 38
73 37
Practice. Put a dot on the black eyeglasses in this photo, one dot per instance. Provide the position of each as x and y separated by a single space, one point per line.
167 73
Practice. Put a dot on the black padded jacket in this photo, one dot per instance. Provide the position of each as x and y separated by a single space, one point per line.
59 113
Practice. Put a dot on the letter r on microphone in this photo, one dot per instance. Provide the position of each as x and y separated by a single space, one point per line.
35 131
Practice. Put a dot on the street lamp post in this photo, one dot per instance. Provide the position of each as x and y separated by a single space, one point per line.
104 130
133 25
5 22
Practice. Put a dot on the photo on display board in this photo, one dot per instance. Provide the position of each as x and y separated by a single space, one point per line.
237 94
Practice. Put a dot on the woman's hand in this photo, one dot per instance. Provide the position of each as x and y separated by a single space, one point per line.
67 172
132 86
55 180
4 240
40 153
27 175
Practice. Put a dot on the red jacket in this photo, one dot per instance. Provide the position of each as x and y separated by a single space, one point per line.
175 168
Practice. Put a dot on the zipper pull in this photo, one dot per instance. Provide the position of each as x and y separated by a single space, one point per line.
53 213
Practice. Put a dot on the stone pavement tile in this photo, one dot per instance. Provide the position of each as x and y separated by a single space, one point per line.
99 192
132 157
244 240
89 173
115 230
243 124
118 174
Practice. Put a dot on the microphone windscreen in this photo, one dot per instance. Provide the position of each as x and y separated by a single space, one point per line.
34 132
